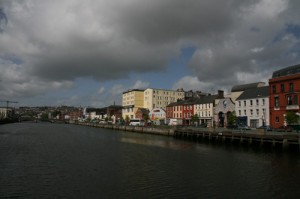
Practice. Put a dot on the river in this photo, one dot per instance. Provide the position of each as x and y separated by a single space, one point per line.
44 160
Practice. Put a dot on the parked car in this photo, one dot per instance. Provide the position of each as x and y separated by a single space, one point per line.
244 127
266 127
284 129
203 125
231 126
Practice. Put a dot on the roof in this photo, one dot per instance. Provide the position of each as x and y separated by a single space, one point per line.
144 110
251 93
206 99
243 87
128 91
290 70
182 102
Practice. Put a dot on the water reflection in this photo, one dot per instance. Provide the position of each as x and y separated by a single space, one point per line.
176 145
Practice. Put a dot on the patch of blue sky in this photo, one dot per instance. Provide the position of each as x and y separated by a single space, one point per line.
289 29
176 69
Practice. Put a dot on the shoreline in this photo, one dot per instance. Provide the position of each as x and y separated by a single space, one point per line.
247 138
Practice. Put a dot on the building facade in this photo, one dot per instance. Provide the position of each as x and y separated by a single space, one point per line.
284 90
158 116
131 101
252 107
204 108
160 98
174 112
222 110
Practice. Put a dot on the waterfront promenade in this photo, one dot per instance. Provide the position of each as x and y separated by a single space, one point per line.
248 138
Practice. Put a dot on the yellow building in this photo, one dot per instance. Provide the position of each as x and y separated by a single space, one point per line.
131 101
160 98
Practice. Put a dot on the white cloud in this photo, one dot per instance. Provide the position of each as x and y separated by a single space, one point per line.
140 85
193 83
101 90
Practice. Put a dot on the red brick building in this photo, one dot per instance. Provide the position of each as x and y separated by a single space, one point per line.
284 90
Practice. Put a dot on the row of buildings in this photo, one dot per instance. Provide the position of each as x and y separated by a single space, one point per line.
254 104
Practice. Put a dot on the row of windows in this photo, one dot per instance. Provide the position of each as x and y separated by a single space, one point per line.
164 92
204 114
282 88
189 107
251 112
251 102
201 106
290 100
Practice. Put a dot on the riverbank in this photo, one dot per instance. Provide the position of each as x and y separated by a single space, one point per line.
247 138
167 131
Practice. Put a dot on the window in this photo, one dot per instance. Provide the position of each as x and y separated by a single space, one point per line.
239 112
277 119
289 100
239 103
276 101
295 100
257 111
251 112
244 103
282 88
274 88
251 103
257 102
263 102
291 87
245 112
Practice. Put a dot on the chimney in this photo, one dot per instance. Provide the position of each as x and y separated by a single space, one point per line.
220 94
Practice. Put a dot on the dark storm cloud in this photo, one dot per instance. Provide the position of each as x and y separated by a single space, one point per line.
59 41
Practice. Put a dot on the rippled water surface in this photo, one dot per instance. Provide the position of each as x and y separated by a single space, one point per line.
43 160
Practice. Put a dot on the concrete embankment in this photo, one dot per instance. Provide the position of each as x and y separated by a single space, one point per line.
148 130
251 138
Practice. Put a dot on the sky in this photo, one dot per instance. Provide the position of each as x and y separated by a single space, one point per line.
86 53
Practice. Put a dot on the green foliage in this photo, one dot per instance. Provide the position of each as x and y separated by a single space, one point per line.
291 117
127 119
146 117
195 118
44 116
231 120
56 113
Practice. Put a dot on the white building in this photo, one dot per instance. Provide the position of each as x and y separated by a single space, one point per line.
204 108
4 112
252 107
157 115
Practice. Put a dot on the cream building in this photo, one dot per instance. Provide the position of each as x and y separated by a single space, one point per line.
204 108
131 101
160 98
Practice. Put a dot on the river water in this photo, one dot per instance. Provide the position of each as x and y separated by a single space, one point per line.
43 160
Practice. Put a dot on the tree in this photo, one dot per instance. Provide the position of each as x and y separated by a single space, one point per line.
291 117
127 119
231 118
146 117
195 118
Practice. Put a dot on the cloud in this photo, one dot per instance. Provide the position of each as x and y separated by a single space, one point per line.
47 45
193 83
140 85
101 90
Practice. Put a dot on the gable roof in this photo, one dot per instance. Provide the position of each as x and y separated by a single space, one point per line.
206 99
260 92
